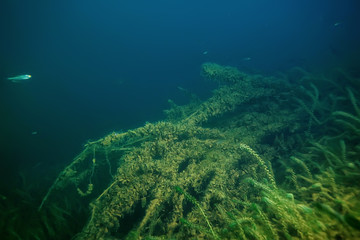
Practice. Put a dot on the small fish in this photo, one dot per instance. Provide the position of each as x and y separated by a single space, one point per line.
246 59
205 52
337 24
183 90
19 78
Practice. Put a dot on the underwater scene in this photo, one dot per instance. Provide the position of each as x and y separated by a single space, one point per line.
180 120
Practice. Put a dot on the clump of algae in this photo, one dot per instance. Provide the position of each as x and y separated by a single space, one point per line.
239 165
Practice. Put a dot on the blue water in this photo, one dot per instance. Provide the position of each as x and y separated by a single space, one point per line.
100 66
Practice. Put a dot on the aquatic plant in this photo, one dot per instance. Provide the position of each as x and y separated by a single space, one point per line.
350 121
21 220
239 165
222 74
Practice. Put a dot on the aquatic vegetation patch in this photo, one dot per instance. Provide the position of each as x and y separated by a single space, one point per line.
247 163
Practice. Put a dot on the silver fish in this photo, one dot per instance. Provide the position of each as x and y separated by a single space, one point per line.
19 78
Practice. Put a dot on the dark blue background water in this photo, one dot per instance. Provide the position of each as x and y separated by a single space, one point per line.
100 66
